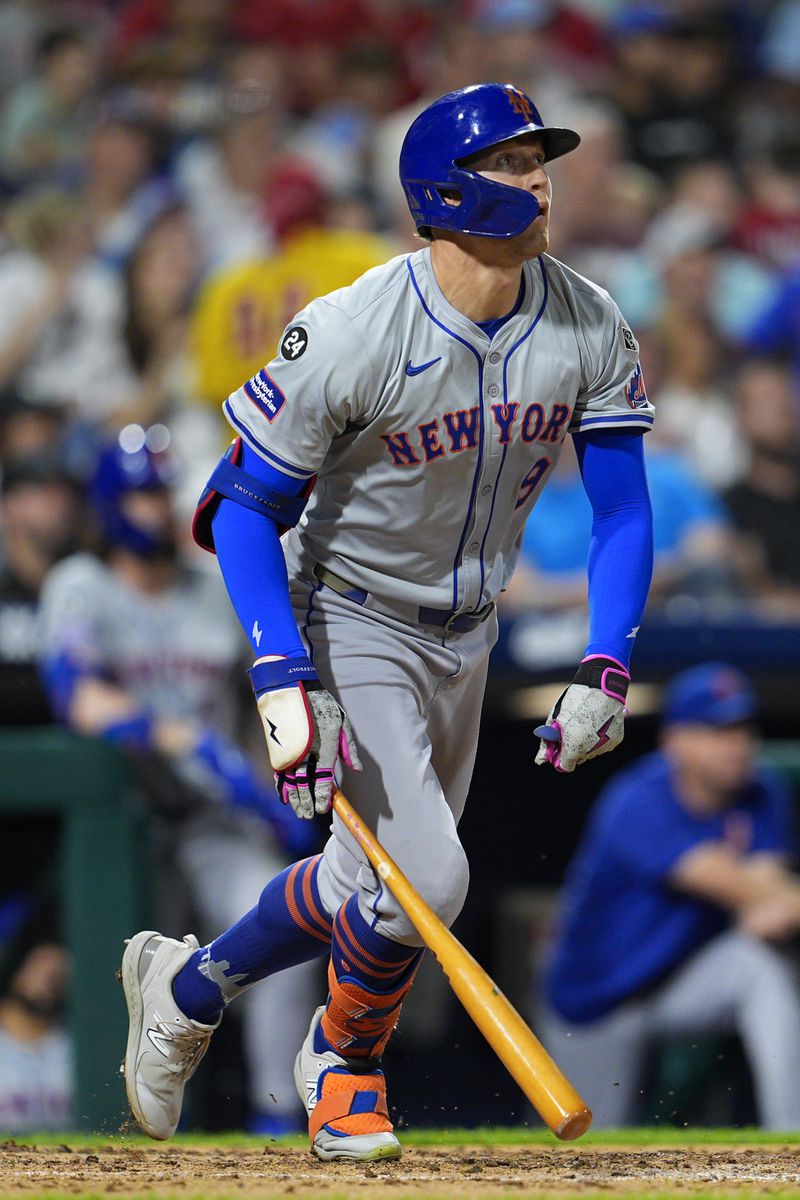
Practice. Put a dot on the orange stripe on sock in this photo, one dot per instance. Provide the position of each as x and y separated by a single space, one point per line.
294 911
308 896
374 965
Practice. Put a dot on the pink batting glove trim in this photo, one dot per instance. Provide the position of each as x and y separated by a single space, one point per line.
610 657
554 749
606 690
344 749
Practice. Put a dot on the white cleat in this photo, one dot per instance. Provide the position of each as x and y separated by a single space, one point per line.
165 1046
346 1104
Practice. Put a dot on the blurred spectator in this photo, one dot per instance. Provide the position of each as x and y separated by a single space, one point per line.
40 520
679 911
241 312
691 538
28 429
338 136
696 415
43 126
36 1067
698 277
121 192
604 203
769 223
675 75
774 327
765 505
160 280
780 47
224 179
59 311
192 30
143 650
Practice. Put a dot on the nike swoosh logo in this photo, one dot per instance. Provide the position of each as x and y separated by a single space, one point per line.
422 367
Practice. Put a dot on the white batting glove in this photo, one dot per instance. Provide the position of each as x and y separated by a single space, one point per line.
306 730
588 719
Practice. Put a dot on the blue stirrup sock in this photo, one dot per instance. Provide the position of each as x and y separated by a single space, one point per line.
288 926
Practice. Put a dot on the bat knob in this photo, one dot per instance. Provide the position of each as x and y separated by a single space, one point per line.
548 733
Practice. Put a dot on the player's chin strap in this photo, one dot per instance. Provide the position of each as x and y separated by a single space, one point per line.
229 480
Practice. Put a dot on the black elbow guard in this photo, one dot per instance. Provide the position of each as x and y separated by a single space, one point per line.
229 480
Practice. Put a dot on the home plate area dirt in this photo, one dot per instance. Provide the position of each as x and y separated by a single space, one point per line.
430 1171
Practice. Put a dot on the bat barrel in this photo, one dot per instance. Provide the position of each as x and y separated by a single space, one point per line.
549 1091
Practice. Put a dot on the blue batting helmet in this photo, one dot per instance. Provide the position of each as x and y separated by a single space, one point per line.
451 129
135 461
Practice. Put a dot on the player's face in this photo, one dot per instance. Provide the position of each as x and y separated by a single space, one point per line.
721 759
520 163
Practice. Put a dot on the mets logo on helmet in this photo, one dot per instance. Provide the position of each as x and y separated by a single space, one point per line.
635 393
520 103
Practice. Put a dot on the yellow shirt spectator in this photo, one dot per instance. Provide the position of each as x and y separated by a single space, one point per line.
242 311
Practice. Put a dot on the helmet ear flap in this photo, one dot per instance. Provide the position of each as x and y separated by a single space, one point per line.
482 205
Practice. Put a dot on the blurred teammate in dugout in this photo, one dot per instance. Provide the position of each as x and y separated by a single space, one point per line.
141 648
679 911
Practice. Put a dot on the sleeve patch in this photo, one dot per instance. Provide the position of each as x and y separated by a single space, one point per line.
628 340
294 343
635 392
265 394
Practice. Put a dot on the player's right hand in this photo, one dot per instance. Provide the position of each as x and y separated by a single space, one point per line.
307 732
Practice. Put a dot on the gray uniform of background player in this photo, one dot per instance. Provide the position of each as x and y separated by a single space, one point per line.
175 654
425 478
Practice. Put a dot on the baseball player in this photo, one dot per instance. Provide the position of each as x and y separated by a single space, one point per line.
429 401
140 648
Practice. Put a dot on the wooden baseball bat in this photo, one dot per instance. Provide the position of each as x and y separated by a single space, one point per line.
549 1091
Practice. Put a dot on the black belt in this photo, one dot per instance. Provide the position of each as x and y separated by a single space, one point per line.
449 621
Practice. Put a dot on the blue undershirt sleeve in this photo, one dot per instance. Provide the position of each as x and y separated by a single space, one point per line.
620 563
251 560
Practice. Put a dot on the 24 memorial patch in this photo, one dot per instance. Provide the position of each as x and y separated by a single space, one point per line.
294 343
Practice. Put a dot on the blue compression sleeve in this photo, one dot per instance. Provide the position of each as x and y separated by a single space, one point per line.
621 551
253 567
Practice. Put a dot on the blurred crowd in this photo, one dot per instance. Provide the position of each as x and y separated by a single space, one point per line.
178 177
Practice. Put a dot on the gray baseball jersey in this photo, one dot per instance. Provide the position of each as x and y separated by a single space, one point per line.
36 1083
430 442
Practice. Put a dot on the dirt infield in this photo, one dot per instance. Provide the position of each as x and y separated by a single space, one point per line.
458 1171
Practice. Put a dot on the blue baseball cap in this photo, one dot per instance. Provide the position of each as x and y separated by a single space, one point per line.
709 694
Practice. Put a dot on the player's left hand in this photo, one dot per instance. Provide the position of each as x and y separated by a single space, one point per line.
308 783
307 732
588 718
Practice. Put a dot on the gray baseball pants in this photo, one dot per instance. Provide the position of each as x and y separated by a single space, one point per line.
413 695
736 984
